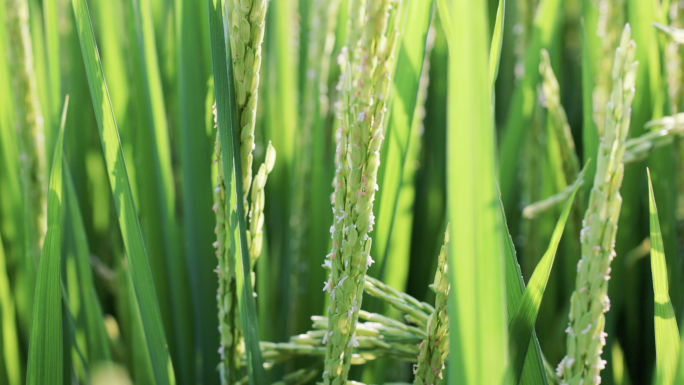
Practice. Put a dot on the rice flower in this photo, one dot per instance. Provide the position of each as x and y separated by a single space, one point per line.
245 39
255 234
435 348
585 333
366 81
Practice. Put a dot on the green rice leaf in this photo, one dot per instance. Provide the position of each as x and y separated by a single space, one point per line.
524 99
13 226
97 341
10 367
54 86
497 40
156 191
521 325
193 62
123 200
45 345
402 106
477 312
229 129
447 22
666 332
533 372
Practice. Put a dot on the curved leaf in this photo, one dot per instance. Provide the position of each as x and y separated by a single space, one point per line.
45 345
97 341
522 324
402 106
123 200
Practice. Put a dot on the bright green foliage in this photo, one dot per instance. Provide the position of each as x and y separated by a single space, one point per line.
544 26
123 200
667 335
195 156
9 367
534 368
422 113
156 190
395 155
522 323
45 350
478 304
497 41
89 318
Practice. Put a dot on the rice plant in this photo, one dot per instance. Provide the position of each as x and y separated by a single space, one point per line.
341 192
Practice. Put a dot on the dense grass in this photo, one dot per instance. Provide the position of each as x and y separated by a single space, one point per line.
460 185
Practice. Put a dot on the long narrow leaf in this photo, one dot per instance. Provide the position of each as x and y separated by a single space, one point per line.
123 200
666 332
524 99
45 346
9 354
157 192
497 41
533 372
94 327
521 326
226 108
401 109
478 305
195 168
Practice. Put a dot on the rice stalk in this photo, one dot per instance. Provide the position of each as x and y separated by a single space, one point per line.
435 348
586 337
299 377
230 348
415 312
359 139
29 123
379 336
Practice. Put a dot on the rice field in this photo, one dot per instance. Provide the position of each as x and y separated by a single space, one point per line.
341 192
